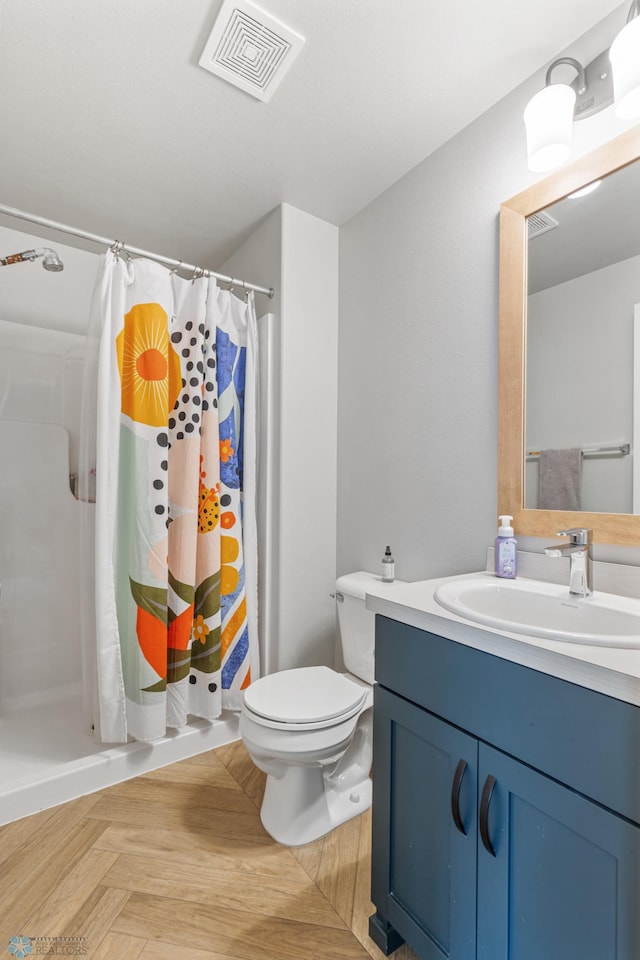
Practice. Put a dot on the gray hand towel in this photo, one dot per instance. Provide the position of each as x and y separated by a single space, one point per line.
560 479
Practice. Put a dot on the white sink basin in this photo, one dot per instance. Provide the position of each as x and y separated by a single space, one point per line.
541 609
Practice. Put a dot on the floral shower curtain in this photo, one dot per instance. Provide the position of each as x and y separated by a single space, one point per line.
176 590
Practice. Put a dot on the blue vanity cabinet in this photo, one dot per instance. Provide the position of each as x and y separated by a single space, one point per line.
506 808
563 875
426 874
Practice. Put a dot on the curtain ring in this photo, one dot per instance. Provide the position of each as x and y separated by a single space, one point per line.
246 292
175 269
197 273
119 251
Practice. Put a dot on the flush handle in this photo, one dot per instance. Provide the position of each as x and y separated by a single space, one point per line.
337 596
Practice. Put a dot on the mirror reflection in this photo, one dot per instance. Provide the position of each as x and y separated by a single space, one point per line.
583 303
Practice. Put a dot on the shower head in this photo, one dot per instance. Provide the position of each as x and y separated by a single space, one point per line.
50 259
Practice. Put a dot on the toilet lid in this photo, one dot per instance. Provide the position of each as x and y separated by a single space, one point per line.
304 695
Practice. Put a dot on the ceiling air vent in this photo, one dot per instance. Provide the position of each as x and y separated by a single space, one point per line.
250 48
539 223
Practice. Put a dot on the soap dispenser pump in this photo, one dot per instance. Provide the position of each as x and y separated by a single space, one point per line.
506 555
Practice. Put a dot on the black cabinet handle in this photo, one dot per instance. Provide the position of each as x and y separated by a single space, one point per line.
485 801
455 795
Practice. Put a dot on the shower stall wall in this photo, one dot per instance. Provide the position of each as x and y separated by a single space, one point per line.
47 751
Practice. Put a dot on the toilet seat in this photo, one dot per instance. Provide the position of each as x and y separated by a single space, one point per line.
304 698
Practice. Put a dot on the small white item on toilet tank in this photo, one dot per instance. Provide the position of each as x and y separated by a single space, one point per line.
388 567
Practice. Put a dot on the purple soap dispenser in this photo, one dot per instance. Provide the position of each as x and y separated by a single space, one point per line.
506 557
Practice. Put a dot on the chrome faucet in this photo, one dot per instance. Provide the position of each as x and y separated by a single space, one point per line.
578 549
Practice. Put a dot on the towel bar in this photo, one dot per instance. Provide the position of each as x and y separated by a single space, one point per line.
594 453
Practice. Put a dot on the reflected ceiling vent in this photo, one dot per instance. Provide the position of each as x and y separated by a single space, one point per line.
250 48
539 223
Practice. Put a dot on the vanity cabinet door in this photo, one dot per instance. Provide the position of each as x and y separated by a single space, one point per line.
565 878
424 865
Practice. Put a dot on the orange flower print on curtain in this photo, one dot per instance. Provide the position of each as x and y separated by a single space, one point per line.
149 366
226 450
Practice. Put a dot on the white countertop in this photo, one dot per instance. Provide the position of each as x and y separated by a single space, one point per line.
613 671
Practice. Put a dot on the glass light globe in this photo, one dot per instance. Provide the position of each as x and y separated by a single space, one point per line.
548 119
625 62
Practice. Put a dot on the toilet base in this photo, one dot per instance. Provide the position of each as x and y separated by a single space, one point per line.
301 806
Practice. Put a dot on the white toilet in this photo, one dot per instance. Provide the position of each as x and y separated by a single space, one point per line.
310 730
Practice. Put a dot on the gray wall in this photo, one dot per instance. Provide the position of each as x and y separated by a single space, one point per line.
417 434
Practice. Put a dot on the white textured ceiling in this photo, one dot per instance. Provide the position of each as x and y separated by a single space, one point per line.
108 123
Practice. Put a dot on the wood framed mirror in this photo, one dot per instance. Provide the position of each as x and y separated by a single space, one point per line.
614 528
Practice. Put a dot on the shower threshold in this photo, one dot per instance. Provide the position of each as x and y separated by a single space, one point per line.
47 758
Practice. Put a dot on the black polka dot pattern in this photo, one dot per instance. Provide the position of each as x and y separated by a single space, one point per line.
195 345
198 360
158 500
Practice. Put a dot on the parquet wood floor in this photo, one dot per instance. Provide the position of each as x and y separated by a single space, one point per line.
176 864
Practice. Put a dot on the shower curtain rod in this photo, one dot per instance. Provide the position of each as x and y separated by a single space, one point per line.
169 261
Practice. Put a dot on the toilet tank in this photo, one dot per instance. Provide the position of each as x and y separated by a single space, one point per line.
357 624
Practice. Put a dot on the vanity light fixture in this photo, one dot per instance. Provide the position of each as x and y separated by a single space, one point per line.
613 76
